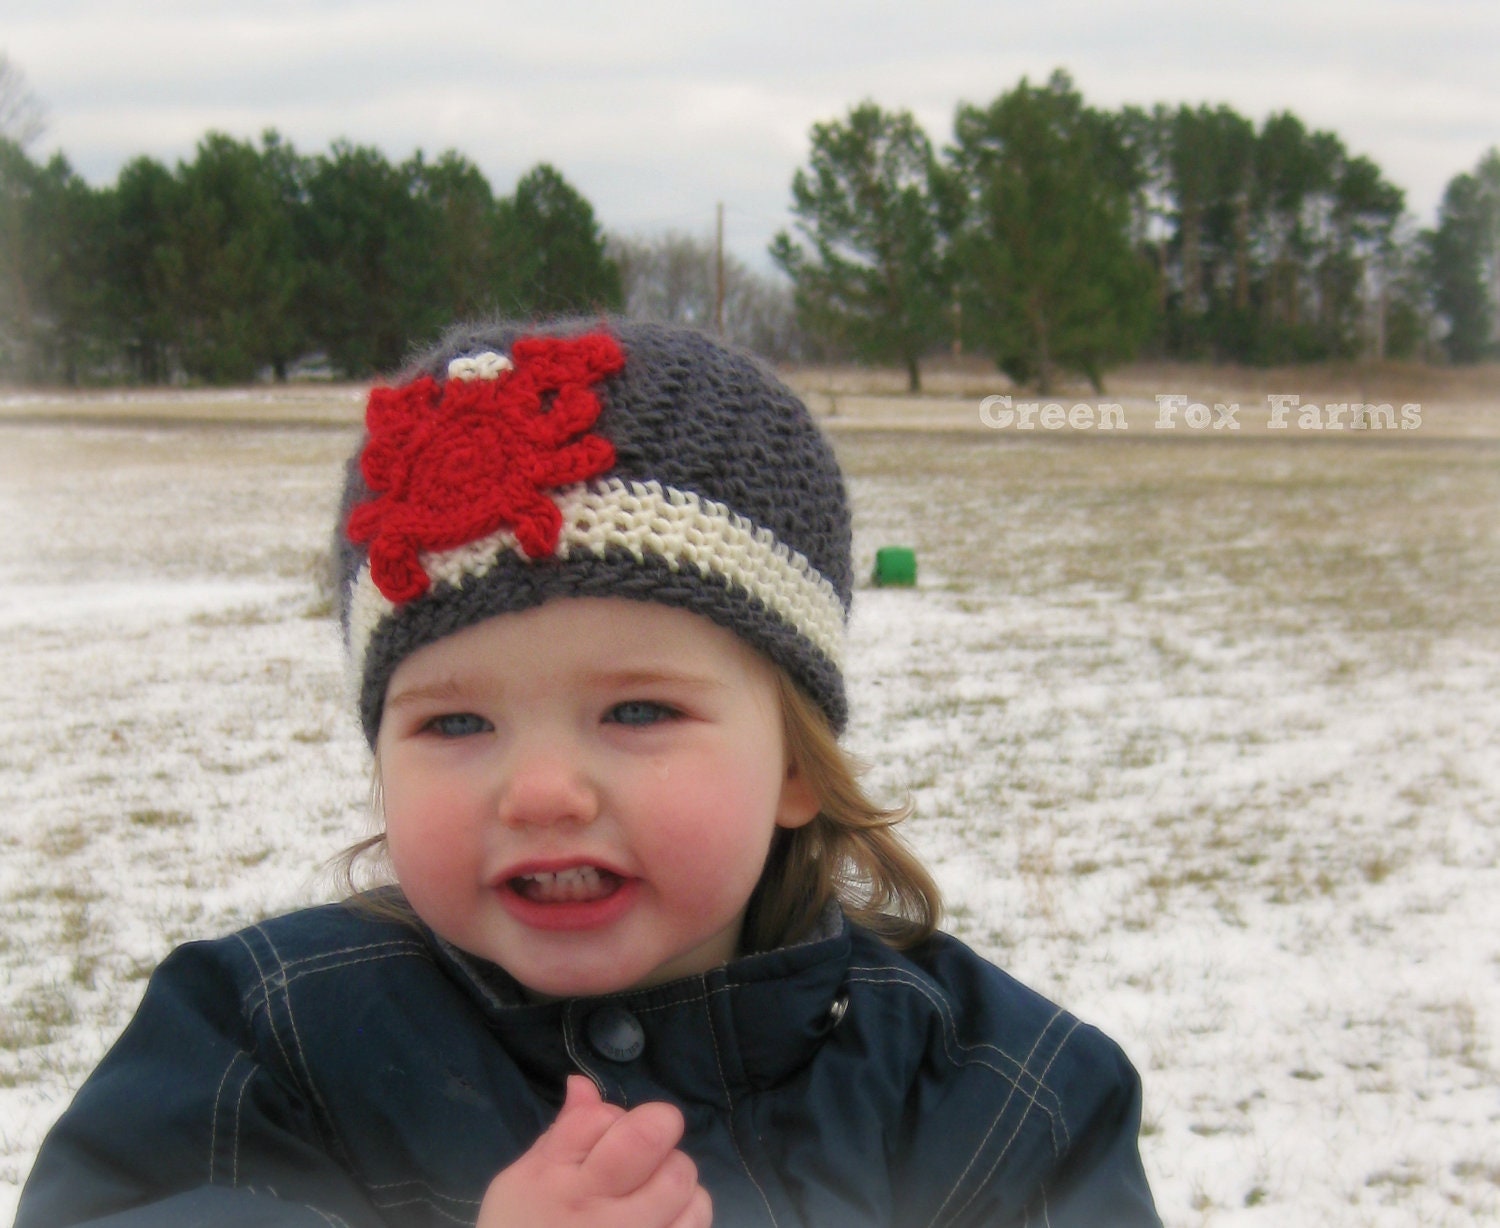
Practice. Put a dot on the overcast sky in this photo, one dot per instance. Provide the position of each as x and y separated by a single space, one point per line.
657 110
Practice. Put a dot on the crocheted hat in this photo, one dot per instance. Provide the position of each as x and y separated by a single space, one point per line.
518 464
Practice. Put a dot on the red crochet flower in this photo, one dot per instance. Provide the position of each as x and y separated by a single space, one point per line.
453 462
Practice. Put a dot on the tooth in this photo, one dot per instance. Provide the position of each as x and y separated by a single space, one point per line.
574 883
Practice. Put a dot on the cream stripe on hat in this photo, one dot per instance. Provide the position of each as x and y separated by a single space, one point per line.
643 519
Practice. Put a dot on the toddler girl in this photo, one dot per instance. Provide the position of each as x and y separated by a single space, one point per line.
650 957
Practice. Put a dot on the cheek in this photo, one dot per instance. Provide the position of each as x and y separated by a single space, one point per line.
416 861
428 826
711 823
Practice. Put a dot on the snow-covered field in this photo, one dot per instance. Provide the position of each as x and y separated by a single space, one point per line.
1203 737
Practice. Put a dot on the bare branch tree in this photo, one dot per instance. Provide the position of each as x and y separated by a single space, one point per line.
23 117
670 277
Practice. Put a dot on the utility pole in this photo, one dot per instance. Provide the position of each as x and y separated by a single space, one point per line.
719 274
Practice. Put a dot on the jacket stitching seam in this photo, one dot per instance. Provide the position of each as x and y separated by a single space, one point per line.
265 986
390 1203
260 990
570 1044
306 1079
956 1050
239 1118
713 1036
213 1132
213 1128
1005 1150
265 995
901 976
310 964
458 959
999 1116
1058 1122
686 1000
952 1045
423 1185
388 944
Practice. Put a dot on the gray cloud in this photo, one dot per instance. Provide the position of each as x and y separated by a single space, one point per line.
658 110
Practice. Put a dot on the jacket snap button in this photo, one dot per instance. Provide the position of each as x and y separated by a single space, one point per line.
616 1034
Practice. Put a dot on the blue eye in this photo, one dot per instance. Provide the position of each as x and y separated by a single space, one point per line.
640 712
458 725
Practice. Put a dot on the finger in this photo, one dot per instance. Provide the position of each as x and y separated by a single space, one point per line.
699 1213
633 1148
671 1195
582 1121
580 1091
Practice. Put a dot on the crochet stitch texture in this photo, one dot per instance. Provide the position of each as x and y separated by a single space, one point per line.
453 462
684 474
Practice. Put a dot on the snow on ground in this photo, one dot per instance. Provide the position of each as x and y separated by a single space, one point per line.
1201 742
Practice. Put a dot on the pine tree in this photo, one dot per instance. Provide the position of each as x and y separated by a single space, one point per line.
1050 280
873 279
1464 258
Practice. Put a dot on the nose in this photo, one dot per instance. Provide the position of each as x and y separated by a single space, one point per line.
544 784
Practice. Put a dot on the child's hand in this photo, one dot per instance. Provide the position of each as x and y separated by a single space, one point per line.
601 1167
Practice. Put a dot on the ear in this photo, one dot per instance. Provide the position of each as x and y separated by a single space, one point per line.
798 805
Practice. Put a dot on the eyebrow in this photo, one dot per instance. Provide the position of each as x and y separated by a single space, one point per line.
442 689
654 676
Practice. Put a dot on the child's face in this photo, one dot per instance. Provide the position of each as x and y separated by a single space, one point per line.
585 793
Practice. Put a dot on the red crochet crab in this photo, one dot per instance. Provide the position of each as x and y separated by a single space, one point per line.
452 462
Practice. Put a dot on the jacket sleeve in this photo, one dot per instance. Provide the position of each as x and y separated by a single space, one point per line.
1100 1182
193 1118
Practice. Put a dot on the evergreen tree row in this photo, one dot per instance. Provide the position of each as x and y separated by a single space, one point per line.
250 259
1054 237
1049 235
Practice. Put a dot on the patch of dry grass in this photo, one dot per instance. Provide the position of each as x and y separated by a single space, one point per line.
1341 537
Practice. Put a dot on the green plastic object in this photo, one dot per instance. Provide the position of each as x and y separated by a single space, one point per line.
895 565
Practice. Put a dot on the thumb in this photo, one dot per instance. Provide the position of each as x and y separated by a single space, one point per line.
581 1092
581 1122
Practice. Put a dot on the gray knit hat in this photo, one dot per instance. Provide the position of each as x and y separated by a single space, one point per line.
570 458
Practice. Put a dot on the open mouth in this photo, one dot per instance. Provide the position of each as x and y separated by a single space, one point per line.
580 884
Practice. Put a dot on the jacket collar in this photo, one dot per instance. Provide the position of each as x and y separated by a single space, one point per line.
767 1013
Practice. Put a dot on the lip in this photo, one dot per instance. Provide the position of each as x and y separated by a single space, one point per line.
554 865
564 914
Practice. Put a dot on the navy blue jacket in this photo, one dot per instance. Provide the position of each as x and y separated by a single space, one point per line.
333 1068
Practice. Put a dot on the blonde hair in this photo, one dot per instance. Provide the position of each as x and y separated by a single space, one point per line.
850 852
